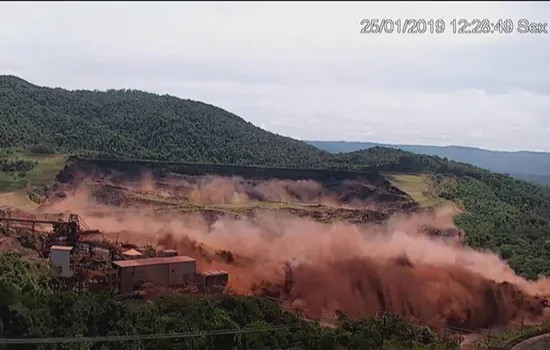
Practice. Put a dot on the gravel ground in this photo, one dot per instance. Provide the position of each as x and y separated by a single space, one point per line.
541 342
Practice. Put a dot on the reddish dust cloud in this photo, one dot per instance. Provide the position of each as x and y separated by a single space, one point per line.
389 267
216 190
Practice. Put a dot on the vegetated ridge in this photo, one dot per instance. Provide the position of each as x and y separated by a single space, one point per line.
525 165
136 124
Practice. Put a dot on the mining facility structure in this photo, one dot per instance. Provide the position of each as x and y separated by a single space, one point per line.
80 262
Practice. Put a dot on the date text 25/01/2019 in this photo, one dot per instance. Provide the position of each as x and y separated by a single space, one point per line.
454 26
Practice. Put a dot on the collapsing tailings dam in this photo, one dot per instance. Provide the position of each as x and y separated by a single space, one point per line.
392 266
232 184
388 263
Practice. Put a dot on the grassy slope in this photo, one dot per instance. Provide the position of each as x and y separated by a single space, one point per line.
47 168
44 173
419 186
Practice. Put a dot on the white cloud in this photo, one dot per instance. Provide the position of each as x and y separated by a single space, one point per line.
302 69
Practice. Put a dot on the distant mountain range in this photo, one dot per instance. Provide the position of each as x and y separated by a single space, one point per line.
526 165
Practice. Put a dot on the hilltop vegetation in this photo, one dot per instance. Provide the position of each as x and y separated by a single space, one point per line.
136 124
421 187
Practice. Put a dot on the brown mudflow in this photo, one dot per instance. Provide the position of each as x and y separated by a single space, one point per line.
392 266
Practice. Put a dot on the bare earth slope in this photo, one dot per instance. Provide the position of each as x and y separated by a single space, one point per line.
223 184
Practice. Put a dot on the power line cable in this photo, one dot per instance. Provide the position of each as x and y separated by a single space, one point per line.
140 337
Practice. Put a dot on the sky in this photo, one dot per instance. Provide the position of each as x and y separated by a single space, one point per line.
303 69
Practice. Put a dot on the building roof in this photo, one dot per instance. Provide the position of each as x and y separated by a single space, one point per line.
213 272
153 261
61 247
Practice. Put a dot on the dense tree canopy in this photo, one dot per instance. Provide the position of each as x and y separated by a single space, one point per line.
137 124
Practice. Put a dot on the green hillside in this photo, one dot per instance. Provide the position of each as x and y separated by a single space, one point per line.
137 124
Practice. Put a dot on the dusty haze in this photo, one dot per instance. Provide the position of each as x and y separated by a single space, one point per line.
216 190
390 267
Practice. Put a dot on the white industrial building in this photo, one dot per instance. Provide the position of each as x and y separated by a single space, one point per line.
60 261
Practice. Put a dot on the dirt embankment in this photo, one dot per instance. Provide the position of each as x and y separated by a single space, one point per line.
215 184
324 196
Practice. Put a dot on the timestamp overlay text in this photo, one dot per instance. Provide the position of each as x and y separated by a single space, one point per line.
452 26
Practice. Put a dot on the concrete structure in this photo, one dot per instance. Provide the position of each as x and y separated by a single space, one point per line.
60 261
209 279
165 272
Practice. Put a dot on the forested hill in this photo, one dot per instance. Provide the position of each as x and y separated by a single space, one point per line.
136 124
533 166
